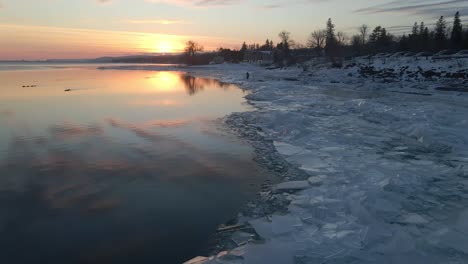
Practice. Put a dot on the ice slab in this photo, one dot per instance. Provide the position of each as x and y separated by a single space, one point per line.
316 180
241 238
462 222
292 185
271 253
283 224
287 149
197 260
456 240
263 228
414 219
401 242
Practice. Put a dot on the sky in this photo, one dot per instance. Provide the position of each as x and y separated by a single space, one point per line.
45 29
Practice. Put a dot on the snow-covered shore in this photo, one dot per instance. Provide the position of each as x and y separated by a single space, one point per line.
377 163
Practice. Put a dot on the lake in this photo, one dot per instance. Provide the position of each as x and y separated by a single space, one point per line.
114 166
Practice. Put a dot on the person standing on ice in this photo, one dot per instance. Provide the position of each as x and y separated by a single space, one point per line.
247 75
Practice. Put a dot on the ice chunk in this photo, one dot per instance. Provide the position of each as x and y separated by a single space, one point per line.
283 224
239 251
241 238
456 240
331 149
262 227
287 149
386 205
271 253
414 219
401 243
197 260
228 259
292 185
316 180
462 222
401 148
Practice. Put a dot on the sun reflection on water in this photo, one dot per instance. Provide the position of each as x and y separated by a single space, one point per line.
165 82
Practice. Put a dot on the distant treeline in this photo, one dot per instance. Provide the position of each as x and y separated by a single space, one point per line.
157 59
326 42
329 42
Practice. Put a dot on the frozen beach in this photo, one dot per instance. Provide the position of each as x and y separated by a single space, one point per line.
371 162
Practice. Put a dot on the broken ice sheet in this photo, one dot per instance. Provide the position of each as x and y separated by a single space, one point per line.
287 149
283 224
415 219
456 240
462 222
263 227
292 185
401 242
197 260
274 252
242 238
317 180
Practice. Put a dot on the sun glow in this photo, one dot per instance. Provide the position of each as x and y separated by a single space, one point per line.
163 44
164 47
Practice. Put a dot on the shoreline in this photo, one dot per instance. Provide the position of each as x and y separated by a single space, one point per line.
377 159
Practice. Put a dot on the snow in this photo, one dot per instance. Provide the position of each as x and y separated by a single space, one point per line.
385 161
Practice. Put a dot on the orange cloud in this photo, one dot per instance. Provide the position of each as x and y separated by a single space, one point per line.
195 3
41 42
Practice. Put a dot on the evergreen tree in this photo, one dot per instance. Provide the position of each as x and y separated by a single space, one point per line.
415 30
440 34
465 39
244 47
421 28
424 38
457 32
380 40
330 39
403 44
242 51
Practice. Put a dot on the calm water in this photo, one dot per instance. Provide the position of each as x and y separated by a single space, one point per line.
126 167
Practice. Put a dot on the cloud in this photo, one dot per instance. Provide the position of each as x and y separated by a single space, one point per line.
69 131
272 6
156 21
281 4
416 7
6 113
104 1
196 3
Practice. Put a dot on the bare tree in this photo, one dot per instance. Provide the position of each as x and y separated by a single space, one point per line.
284 36
192 47
317 39
341 38
295 45
364 31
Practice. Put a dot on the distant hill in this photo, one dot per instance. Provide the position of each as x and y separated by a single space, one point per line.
145 58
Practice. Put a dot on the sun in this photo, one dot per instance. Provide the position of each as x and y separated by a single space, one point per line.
163 44
164 47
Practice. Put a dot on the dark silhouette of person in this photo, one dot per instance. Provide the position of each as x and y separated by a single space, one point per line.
247 75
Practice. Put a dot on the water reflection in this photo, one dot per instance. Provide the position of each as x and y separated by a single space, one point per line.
6 113
87 177
194 85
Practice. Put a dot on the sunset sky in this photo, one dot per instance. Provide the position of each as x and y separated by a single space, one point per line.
42 29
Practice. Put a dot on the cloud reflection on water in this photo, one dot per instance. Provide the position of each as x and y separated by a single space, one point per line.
119 188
